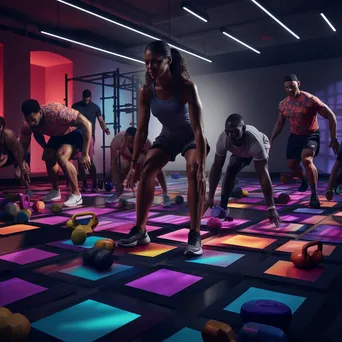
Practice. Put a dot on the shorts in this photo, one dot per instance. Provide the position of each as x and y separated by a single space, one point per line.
10 160
91 153
174 145
296 143
74 138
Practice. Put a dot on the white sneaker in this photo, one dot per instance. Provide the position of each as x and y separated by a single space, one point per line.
73 201
167 202
53 195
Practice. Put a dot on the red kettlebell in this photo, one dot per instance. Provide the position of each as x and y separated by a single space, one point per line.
303 260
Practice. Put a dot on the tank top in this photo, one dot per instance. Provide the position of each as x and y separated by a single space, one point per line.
173 114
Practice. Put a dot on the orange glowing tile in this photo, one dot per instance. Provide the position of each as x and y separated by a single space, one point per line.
249 241
239 205
293 245
334 221
314 219
288 270
152 250
17 228
325 204
338 214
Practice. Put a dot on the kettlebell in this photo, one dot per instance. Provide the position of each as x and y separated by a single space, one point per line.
303 260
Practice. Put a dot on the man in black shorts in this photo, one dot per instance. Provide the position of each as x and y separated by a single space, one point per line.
246 143
91 111
69 133
301 109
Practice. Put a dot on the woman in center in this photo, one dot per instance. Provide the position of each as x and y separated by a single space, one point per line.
173 99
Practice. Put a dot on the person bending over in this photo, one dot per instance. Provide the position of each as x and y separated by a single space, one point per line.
245 143
173 99
335 179
91 111
69 132
12 153
303 145
121 149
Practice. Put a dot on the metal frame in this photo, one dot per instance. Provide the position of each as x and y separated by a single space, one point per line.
127 81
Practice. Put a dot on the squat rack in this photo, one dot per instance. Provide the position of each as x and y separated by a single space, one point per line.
128 81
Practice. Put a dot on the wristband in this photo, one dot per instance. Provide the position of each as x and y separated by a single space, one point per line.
272 207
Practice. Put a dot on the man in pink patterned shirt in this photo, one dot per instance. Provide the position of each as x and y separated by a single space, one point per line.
69 132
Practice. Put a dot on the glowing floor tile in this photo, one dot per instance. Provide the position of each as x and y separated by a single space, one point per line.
165 282
239 205
95 210
268 228
171 219
286 269
186 334
215 258
325 233
294 245
265 207
86 321
27 256
249 241
302 218
152 250
89 273
89 243
16 228
325 204
254 293
180 235
52 220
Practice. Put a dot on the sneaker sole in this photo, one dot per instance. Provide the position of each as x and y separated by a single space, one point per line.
52 199
73 205
135 243
192 253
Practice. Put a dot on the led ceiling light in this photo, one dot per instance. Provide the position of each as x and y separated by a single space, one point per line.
328 22
275 19
91 47
131 29
239 41
195 12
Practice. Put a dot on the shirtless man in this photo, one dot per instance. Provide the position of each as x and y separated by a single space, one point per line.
246 143
69 133
11 153
121 149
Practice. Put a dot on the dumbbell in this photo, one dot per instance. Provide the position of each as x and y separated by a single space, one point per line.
100 259
283 198
215 331
13 327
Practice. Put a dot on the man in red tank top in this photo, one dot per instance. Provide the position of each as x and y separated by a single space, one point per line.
300 108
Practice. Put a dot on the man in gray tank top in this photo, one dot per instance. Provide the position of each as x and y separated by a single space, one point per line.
246 143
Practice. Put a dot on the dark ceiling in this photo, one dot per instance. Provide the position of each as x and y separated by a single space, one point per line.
166 19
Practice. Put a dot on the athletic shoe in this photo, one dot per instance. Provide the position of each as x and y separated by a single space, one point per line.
314 202
194 247
113 198
74 201
135 237
53 195
303 187
167 203
94 188
329 195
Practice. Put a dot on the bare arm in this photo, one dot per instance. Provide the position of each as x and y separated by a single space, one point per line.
16 148
85 125
196 118
102 123
278 127
328 114
143 121
261 169
215 174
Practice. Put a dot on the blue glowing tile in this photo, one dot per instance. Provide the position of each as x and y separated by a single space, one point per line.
91 274
89 243
186 334
86 321
253 293
215 258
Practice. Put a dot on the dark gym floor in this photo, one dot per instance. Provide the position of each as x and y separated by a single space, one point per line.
152 293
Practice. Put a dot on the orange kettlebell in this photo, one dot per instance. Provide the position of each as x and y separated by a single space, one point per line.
302 259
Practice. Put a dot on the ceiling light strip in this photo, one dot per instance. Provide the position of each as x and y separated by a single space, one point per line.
275 19
240 42
91 47
131 29
328 22
194 14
